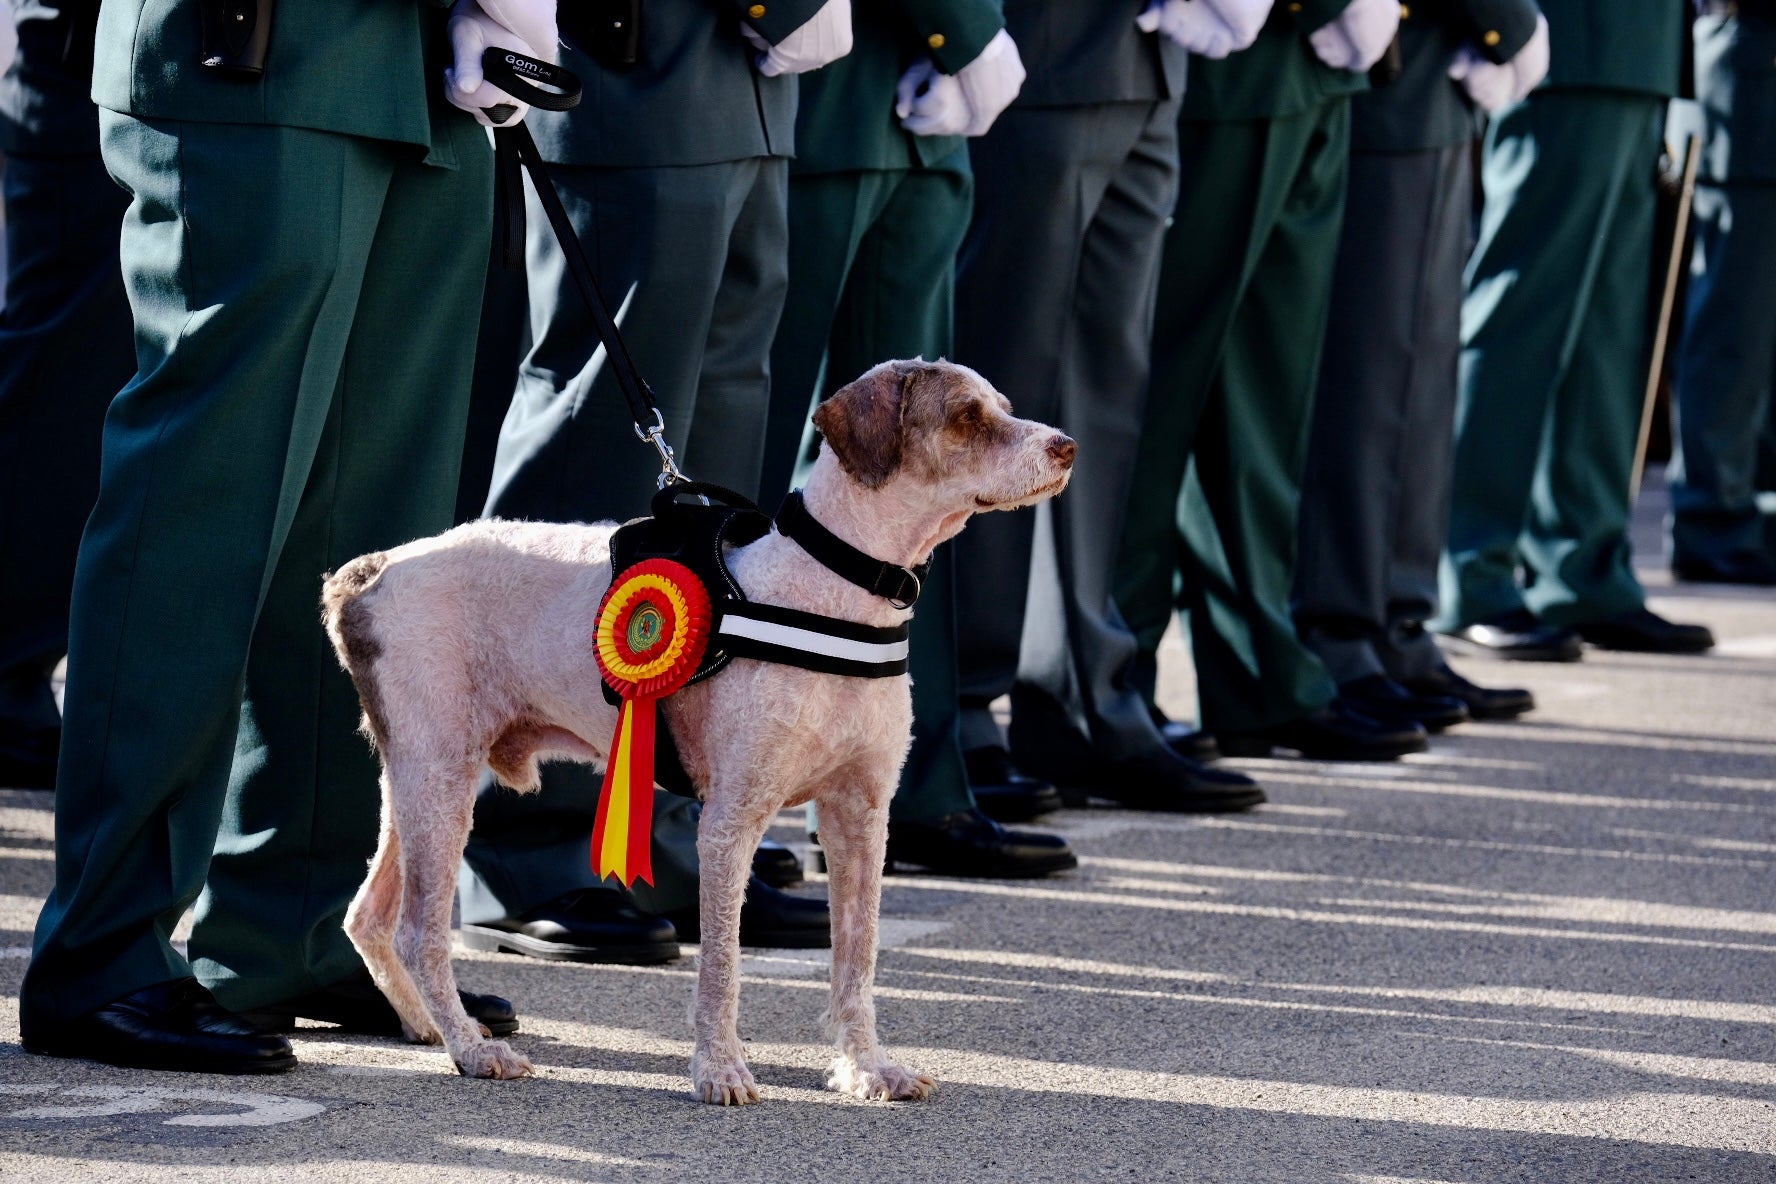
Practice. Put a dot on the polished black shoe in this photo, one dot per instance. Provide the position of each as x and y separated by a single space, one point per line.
1380 697
1644 631
596 924
177 1026
1192 744
968 843
1004 792
1335 733
776 864
1516 636
1482 702
770 920
357 1005
1755 568
1164 782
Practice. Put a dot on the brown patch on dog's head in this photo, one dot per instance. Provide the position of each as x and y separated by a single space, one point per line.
863 423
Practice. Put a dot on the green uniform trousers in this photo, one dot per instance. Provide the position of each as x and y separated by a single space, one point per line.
691 260
1725 372
872 262
66 347
1554 351
1244 290
305 309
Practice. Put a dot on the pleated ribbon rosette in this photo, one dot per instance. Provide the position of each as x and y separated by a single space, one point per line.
652 630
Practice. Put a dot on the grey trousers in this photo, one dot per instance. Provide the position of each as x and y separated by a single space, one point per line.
696 258
1054 306
1375 496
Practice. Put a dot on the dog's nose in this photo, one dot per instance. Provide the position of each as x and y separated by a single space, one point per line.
1063 449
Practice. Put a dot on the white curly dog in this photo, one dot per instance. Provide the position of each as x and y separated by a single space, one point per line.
476 648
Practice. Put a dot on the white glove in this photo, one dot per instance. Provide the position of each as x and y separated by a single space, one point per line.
990 82
1494 87
1360 35
929 102
824 38
1210 28
525 26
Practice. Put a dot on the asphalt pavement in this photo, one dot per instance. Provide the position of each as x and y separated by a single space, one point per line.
1544 952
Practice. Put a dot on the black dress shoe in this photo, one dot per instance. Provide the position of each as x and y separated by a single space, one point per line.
968 843
769 919
1483 702
1516 636
1192 744
1741 567
1164 782
1335 733
1380 697
358 1005
596 924
1644 631
175 1025
776 864
1003 791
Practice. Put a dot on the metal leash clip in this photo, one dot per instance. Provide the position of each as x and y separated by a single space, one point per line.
656 435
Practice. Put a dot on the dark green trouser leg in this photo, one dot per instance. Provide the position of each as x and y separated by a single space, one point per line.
1554 349
66 347
872 267
1725 371
697 254
207 456
1375 495
300 823
1244 286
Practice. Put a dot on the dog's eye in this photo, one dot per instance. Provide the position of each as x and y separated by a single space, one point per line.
969 416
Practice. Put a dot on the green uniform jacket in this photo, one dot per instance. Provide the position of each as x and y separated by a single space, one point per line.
1424 108
1736 85
1279 75
357 68
1083 52
694 96
1633 45
847 118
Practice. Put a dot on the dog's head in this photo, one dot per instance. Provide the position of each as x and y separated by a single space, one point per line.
943 428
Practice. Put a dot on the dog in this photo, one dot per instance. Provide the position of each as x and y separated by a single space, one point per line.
475 648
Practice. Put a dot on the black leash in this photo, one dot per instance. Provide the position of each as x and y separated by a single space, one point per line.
514 151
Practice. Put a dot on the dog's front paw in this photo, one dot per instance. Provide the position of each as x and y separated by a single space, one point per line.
727 1083
427 1035
882 1083
495 1059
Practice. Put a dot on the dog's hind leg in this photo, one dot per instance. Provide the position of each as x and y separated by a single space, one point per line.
370 923
854 834
727 835
433 808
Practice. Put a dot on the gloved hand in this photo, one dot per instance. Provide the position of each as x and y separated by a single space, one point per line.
929 102
824 38
1492 86
990 82
1211 28
1360 35
526 26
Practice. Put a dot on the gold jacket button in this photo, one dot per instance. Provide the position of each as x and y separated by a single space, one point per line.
756 11
1405 12
935 41
1295 7
1492 37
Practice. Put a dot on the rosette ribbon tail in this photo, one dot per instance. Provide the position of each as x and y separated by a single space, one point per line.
622 834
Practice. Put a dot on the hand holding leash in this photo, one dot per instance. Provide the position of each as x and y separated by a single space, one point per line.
481 27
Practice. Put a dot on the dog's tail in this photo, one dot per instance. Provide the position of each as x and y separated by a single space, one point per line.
349 626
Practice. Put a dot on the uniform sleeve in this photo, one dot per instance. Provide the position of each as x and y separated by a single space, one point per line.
1498 28
954 31
1309 15
776 19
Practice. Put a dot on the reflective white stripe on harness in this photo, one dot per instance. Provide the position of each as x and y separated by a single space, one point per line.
811 642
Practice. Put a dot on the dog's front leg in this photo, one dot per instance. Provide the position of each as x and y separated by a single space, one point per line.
854 833
726 839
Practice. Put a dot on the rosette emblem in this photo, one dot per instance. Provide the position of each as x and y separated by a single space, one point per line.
651 633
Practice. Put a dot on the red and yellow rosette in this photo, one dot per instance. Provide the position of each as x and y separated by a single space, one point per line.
651 633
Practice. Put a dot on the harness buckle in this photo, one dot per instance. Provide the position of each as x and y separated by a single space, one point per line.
899 594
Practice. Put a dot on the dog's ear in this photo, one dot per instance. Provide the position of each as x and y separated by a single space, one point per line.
864 423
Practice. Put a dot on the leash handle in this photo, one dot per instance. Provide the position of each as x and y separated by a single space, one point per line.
514 151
